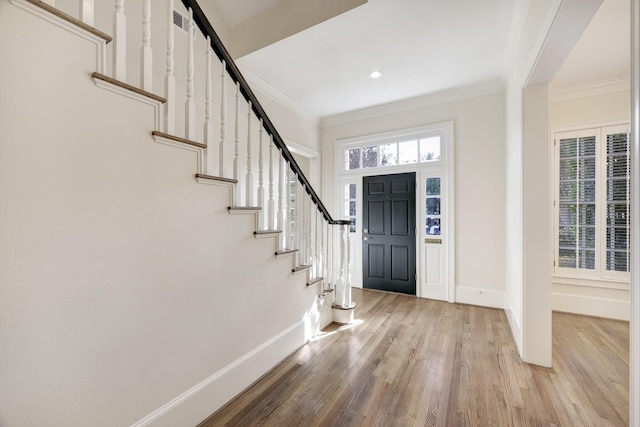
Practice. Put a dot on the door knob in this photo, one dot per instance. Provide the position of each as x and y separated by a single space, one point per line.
365 238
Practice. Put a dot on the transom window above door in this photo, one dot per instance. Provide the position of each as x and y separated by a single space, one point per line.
396 153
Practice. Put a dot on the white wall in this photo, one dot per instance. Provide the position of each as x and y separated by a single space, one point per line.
537 223
594 298
527 48
550 30
480 182
123 282
591 110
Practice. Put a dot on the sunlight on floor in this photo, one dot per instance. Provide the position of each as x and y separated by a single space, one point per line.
335 328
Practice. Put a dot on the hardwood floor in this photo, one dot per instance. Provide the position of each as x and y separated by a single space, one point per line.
415 362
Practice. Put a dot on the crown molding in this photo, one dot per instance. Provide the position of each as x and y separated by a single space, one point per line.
427 100
258 84
602 87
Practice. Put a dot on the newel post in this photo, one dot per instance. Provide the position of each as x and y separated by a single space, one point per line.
343 307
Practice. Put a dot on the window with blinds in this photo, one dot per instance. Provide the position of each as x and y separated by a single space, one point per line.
618 199
592 203
577 203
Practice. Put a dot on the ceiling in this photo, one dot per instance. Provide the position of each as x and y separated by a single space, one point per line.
421 46
602 52
235 12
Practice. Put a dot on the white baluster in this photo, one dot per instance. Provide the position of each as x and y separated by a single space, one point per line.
318 256
343 274
86 11
310 254
146 54
249 178
236 156
208 92
330 254
190 105
280 217
341 279
303 230
261 179
270 203
294 221
223 118
322 254
119 42
313 239
170 80
347 268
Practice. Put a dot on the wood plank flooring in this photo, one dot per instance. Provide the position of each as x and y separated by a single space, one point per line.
415 362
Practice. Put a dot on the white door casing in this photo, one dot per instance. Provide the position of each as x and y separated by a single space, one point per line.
435 260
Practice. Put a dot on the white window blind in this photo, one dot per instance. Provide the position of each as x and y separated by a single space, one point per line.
592 203
577 203
618 198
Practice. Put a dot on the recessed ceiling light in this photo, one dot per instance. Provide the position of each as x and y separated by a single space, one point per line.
375 74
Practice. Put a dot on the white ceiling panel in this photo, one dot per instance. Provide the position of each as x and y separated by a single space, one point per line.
421 46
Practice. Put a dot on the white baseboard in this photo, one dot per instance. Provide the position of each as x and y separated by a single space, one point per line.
591 306
479 296
196 404
516 332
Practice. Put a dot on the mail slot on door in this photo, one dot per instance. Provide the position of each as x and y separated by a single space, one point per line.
433 241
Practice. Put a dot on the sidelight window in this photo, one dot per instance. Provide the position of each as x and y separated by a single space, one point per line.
350 205
433 214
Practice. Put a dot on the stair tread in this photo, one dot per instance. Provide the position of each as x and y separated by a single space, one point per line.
127 86
244 208
75 21
178 139
216 178
267 232
314 281
286 252
301 267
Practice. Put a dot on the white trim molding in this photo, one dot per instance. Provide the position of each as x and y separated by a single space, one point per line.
100 43
604 87
157 105
428 100
260 85
480 296
634 344
445 167
516 331
590 306
206 397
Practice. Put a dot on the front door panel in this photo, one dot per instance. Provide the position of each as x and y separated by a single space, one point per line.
389 233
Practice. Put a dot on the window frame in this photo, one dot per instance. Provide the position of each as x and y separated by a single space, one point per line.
417 134
580 276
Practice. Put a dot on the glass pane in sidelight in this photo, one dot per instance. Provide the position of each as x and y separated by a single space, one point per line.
433 186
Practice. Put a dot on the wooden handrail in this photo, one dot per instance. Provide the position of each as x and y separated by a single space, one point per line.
218 47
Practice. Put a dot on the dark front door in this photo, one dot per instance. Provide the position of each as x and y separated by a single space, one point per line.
389 233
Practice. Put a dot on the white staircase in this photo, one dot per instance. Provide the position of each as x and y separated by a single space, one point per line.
143 292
